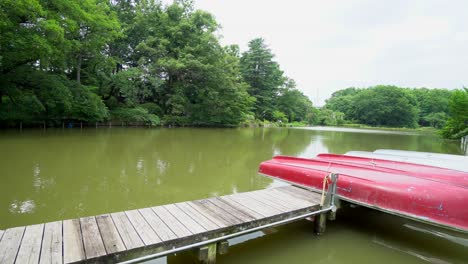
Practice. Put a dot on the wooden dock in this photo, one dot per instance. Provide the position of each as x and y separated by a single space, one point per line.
132 234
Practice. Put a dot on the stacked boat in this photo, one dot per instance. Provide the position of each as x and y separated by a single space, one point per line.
424 186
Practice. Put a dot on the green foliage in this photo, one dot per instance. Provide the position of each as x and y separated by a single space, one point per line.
433 106
436 120
279 116
457 124
392 106
264 76
343 101
377 106
294 104
386 106
137 115
328 117
134 61
87 106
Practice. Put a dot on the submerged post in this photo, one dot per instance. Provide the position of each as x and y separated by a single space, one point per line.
327 201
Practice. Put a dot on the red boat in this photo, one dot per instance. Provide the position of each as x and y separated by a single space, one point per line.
429 194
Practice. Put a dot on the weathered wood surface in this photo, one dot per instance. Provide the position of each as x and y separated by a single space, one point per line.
51 251
133 233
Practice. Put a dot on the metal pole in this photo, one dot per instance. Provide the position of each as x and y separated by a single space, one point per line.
334 177
210 241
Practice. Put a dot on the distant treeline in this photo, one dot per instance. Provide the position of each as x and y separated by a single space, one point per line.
393 106
138 61
134 61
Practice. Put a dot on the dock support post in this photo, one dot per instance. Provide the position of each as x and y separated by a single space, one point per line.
320 223
222 247
207 254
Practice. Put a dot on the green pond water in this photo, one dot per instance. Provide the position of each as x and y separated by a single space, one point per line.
61 174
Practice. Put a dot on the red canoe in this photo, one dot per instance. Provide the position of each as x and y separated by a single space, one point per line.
429 194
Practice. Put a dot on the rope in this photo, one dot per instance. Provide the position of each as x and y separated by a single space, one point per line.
326 183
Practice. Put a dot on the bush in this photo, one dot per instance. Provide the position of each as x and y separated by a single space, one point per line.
137 114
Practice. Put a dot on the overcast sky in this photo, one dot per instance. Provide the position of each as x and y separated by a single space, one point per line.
330 45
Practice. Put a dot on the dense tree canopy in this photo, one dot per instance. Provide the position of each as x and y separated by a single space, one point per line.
276 96
139 61
457 124
392 106
264 76
134 61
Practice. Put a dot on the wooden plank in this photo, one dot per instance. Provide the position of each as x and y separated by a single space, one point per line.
127 232
259 198
285 201
93 244
188 222
274 200
110 236
243 207
289 198
144 230
73 249
235 211
10 243
177 227
301 193
203 220
209 214
30 248
51 251
294 192
254 204
164 232
215 211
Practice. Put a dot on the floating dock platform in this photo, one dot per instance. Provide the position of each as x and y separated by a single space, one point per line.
142 234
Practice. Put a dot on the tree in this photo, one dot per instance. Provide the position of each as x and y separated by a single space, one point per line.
457 124
264 76
385 106
343 101
293 103
436 120
39 43
433 104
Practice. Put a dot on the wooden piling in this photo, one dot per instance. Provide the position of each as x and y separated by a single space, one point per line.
207 254
320 224
222 247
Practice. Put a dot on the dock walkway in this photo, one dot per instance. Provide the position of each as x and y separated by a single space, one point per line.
131 234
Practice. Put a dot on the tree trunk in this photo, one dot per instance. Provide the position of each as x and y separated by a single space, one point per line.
78 69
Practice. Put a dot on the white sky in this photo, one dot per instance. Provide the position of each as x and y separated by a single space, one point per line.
330 45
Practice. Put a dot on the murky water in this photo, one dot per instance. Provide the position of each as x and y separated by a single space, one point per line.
60 174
